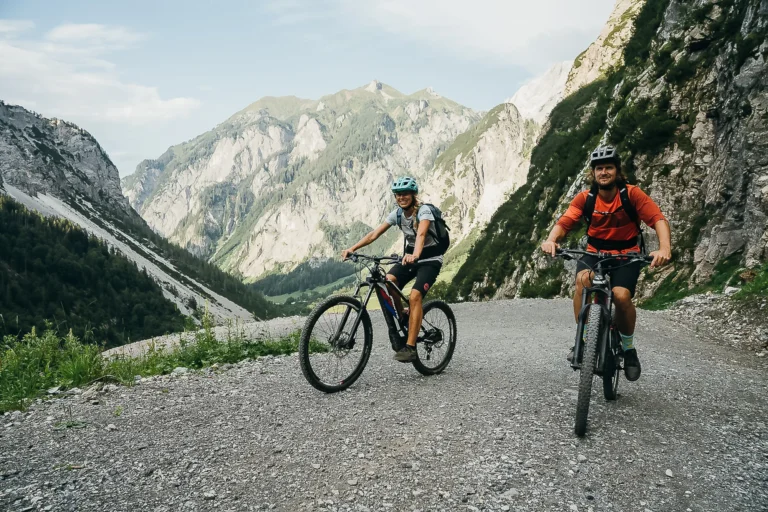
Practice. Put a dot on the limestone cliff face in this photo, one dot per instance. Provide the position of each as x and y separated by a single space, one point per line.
42 155
288 179
688 108
483 166
607 50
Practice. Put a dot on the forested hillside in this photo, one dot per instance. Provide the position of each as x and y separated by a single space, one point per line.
307 275
687 109
53 271
58 169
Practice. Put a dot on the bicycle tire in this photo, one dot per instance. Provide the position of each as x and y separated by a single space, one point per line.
305 359
420 366
588 361
611 371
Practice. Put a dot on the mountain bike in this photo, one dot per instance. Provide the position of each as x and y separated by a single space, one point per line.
598 350
337 337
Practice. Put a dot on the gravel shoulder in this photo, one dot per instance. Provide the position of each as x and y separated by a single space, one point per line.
493 432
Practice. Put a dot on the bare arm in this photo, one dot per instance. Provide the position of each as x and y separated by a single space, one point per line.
421 236
664 254
367 239
550 244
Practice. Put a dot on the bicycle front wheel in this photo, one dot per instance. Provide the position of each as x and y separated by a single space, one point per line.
611 368
437 340
588 361
331 355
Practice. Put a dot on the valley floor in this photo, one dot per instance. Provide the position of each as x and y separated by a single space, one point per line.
494 432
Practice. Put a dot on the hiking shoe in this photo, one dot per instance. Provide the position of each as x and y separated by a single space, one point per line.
570 355
631 365
406 354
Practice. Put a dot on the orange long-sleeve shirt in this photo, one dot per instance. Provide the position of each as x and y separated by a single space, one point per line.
610 221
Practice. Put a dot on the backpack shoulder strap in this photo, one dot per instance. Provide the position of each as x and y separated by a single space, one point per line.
626 203
589 205
399 217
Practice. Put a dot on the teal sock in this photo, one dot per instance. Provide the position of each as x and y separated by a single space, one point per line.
627 342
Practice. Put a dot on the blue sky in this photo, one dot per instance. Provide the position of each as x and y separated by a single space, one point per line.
141 76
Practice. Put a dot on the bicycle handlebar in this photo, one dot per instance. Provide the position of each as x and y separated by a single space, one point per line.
634 256
354 256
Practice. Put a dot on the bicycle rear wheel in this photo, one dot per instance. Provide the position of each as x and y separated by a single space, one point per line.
332 357
438 338
588 361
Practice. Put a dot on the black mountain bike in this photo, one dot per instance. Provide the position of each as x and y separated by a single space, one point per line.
337 337
598 351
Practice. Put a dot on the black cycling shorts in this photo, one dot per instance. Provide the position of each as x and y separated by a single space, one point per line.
425 274
626 276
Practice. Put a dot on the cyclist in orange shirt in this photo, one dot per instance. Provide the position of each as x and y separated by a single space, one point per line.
613 230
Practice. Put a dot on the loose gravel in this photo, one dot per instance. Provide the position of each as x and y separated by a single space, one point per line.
494 432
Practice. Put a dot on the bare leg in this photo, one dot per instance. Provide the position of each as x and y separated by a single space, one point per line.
583 278
416 316
626 314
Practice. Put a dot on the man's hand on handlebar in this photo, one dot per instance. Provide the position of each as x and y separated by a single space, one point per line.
660 257
345 254
550 247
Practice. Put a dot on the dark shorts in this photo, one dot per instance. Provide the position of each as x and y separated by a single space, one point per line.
625 276
425 274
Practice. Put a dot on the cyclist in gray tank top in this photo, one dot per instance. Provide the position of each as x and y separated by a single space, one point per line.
422 259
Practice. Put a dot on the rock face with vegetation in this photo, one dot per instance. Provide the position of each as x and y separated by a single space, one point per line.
607 50
101 270
688 109
288 179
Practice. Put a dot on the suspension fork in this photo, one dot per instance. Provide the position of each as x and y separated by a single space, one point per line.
359 317
597 293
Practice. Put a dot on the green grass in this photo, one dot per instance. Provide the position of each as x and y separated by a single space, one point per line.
30 366
757 286
727 272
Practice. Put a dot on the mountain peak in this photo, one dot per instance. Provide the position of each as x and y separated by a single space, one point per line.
374 86
537 97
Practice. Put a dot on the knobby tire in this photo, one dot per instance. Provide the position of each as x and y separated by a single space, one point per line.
306 336
588 367
449 339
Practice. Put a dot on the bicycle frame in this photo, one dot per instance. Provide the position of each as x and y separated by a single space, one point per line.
377 281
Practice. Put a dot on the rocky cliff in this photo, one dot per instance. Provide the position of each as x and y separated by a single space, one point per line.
42 155
607 50
687 108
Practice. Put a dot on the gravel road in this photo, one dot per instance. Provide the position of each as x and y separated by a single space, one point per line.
494 432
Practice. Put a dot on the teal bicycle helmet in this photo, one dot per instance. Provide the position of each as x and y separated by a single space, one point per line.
405 184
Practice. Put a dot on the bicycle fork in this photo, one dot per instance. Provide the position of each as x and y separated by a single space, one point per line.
582 323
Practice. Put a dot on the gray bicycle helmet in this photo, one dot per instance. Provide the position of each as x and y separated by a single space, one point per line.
405 184
605 154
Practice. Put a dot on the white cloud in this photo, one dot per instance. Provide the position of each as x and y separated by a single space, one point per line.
67 74
96 36
529 33
13 27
